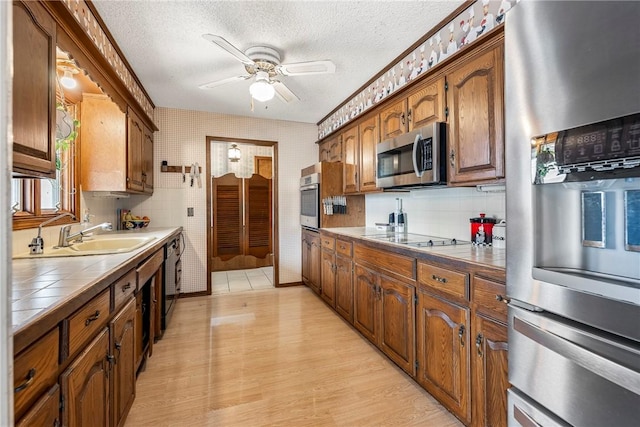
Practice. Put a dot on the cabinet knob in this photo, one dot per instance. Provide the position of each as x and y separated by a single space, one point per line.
461 335
452 158
402 118
502 299
479 339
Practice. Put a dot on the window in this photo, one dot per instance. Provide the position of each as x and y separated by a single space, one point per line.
36 200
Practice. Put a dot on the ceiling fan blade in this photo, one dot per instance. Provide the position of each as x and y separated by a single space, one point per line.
283 92
217 83
229 48
306 68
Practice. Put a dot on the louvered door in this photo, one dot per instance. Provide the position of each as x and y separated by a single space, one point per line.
242 222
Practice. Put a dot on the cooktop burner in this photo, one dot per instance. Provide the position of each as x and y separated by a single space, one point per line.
418 240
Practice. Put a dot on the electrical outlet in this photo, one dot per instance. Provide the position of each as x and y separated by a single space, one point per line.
189 211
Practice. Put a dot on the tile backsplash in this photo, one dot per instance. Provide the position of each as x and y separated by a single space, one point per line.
442 212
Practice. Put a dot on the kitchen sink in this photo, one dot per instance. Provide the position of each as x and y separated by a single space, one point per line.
97 246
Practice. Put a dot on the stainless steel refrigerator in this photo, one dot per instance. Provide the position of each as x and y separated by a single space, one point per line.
572 73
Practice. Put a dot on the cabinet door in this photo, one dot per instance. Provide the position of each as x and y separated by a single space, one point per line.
344 287
427 104
34 95
369 138
331 150
147 160
85 386
324 152
490 373
350 151
393 120
328 287
476 130
443 353
365 307
45 412
397 333
124 372
135 140
314 263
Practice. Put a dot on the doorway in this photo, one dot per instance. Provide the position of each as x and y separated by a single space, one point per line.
241 205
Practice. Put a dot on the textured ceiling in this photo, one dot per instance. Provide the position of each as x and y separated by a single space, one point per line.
162 40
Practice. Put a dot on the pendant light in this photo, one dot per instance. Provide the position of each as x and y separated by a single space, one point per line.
67 79
234 153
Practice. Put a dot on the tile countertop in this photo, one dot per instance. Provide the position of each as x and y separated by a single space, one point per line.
481 255
41 286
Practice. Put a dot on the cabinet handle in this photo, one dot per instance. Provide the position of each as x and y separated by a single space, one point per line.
126 287
56 423
118 346
439 279
402 118
111 359
461 335
27 381
503 299
92 318
479 344
409 115
452 158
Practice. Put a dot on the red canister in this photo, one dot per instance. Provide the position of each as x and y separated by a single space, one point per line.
482 229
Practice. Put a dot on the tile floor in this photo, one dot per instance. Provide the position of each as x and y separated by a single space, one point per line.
223 282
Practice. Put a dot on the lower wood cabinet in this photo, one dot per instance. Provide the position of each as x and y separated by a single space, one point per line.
384 312
344 287
45 412
124 370
443 353
311 259
328 277
85 386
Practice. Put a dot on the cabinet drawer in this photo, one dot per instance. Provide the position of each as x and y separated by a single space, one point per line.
149 267
35 370
124 287
386 261
450 282
87 321
490 298
343 247
328 243
46 411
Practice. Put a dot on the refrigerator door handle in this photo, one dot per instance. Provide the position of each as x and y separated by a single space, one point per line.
603 367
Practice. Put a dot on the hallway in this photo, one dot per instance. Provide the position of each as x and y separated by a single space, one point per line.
273 357
224 282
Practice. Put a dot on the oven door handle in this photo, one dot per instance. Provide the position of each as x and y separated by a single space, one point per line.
601 366
309 187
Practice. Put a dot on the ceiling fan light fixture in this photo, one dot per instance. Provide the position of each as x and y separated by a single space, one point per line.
261 90
67 79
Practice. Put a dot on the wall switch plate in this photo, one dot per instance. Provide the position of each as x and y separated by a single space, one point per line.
189 211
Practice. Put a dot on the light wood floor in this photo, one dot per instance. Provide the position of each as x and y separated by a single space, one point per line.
273 357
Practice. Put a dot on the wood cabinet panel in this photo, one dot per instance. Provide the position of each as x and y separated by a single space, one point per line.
85 386
397 332
344 287
34 93
35 370
394 264
344 247
426 105
135 143
444 280
369 139
331 150
443 353
328 288
393 120
489 298
476 118
123 288
490 373
87 321
123 388
311 259
350 159
365 307
45 412
149 267
327 242
147 161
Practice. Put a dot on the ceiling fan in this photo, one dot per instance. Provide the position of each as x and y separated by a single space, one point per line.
263 63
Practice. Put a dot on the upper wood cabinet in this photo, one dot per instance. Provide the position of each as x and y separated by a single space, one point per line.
350 159
331 150
116 148
34 94
393 119
426 104
475 100
369 138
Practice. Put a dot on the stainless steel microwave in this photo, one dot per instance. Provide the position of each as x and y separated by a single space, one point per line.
413 159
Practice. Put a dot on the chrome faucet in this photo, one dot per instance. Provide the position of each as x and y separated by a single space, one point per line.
65 239
37 243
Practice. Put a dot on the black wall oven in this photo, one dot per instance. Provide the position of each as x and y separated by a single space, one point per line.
172 277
